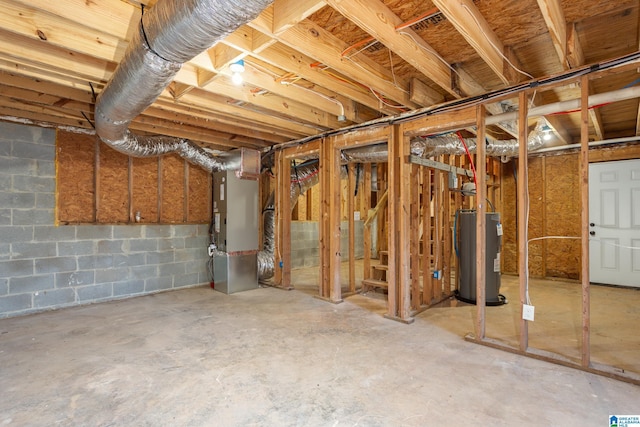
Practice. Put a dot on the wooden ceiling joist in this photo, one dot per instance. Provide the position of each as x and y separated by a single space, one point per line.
381 23
467 19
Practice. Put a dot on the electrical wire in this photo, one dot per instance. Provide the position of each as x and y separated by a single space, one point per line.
457 104
499 51
473 167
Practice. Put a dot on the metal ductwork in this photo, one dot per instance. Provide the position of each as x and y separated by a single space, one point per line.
446 144
170 34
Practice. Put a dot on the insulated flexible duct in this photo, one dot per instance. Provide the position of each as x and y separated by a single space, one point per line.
303 177
446 144
170 34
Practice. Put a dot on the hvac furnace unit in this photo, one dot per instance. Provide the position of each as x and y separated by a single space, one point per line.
467 254
235 232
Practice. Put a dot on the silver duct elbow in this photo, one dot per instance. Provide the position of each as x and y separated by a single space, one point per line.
173 32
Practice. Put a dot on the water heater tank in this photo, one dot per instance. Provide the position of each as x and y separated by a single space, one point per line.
467 253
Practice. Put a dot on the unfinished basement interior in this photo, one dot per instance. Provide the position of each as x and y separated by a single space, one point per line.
319 212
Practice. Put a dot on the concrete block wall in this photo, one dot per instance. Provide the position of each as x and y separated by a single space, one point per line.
43 266
305 247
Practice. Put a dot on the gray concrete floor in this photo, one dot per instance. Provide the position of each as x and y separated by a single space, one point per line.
269 357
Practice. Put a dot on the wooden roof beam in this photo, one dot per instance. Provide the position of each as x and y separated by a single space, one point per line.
287 13
466 18
380 22
554 18
315 42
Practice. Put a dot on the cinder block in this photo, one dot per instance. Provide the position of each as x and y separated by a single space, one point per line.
203 230
95 292
33 250
5 216
6 183
5 251
188 230
33 184
186 280
159 257
172 243
183 255
143 245
127 231
110 246
158 283
128 288
15 268
14 303
92 262
15 166
46 168
196 242
55 265
6 147
17 200
4 286
129 260
143 272
75 278
52 233
29 150
45 200
24 133
33 217
94 232
82 247
155 231
19 285
171 269
111 275
54 298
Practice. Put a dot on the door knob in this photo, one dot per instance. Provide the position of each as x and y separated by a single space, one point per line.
593 233
592 224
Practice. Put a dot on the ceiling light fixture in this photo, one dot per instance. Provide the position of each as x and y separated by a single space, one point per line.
237 68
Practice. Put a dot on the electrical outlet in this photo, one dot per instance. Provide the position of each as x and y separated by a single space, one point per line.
528 312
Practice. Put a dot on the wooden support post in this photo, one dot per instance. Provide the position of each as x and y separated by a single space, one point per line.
323 223
584 192
398 226
415 237
427 242
446 234
437 233
332 157
523 204
352 227
481 225
366 188
282 276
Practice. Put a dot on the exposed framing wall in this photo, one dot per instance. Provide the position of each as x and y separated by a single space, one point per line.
397 135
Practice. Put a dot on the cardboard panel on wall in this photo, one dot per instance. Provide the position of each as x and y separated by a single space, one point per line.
173 192
145 188
113 186
199 195
75 157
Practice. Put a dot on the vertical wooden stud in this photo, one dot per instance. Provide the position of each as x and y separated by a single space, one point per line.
366 189
352 226
415 236
584 193
427 238
333 158
523 203
481 224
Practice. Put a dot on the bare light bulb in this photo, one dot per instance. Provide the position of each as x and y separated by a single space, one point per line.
236 78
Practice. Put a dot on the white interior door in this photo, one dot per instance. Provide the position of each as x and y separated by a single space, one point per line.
614 222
